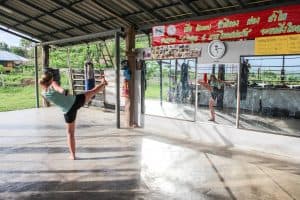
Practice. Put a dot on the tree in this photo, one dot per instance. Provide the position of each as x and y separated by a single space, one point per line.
4 46
27 45
18 50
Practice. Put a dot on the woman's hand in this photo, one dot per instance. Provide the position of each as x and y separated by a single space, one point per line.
205 84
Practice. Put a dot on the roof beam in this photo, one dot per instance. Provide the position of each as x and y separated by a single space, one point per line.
55 16
81 14
241 4
147 10
28 25
30 18
217 3
82 38
18 29
64 30
122 16
186 4
111 12
19 35
44 14
228 12
230 4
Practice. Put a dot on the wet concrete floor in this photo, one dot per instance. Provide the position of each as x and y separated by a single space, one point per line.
128 164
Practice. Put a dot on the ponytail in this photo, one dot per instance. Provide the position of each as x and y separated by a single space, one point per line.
46 79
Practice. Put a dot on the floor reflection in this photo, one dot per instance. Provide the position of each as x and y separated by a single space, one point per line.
175 171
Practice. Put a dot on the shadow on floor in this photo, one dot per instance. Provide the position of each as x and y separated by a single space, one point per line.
49 150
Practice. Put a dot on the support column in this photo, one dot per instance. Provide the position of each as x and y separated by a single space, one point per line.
45 64
131 56
45 56
117 62
36 70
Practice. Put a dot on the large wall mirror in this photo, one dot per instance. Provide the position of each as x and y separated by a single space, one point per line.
170 88
270 94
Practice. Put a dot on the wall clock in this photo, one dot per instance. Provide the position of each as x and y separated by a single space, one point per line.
216 49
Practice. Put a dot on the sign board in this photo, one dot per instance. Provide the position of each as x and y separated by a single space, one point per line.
171 52
269 22
274 45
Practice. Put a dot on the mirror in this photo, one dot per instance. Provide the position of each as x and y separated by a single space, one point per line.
270 94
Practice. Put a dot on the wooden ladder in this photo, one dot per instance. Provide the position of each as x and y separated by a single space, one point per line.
105 55
78 85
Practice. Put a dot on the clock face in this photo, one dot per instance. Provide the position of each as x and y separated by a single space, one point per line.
171 30
216 49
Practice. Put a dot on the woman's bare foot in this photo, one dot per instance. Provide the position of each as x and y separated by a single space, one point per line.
72 157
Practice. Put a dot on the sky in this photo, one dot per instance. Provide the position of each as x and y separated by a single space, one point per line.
9 39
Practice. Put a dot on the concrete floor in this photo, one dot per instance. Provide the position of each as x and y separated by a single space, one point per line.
130 164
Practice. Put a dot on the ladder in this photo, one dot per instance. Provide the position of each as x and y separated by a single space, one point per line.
105 55
78 85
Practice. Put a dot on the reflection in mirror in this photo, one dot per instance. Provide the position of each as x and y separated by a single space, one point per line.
217 93
270 94
169 88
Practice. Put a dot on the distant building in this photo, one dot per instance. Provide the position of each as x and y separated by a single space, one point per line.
10 60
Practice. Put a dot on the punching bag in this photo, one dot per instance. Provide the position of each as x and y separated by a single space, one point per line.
89 75
184 80
221 77
244 79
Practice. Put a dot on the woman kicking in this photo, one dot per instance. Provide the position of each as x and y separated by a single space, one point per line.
68 103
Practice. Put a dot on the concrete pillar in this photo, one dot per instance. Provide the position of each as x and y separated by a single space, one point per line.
45 64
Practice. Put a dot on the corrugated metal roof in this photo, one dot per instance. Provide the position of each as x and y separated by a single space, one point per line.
8 56
58 19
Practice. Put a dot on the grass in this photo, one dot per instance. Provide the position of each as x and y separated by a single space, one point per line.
16 98
153 90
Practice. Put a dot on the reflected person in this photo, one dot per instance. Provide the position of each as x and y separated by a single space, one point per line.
213 85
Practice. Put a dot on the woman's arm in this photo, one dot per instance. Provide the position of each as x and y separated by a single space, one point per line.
206 85
58 88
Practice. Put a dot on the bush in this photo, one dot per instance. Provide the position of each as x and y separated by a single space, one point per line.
1 69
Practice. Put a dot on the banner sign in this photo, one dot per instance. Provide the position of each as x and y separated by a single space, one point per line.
274 45
171 52
275 21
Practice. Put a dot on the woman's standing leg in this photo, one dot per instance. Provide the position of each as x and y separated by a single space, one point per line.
212 110
71 139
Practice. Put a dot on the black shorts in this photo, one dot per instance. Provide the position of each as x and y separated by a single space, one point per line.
70 116
214 95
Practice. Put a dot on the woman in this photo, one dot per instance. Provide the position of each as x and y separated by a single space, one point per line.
213 86
68 103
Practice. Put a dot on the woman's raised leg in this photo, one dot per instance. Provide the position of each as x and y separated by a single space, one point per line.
90 93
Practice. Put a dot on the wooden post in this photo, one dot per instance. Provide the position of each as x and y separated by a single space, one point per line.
46 56
117 72
45 64
131 56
